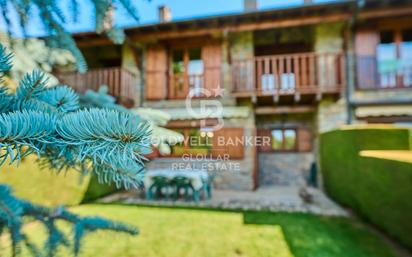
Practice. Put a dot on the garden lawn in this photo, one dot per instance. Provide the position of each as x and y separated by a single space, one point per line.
203 233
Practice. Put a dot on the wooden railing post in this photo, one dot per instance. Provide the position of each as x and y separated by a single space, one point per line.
312 73
121 82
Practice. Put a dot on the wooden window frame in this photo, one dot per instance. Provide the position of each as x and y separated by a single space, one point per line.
303 140
215 152
186 134
186 83
397 39
295 148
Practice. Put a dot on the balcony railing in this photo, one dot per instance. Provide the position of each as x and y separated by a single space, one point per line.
399 78
390 75
121 82
180 85
303 73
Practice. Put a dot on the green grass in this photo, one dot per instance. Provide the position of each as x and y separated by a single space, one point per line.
202 233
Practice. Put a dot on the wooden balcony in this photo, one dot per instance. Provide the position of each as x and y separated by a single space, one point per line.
393 76
121 82
298 75
399 78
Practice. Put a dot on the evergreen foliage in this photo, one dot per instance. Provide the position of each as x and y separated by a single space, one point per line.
53 19
100 99
49 122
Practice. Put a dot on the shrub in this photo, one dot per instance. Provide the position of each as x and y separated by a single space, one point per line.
44 187
96 190
379 189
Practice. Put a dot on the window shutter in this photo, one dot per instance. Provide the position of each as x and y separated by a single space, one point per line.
218 150
304 137
211 55
366 42
156 68
265 133
231 144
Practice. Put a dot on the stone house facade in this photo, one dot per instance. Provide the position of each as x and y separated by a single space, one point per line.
282 74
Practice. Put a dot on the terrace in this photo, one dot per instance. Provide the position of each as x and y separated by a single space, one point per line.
121 82
300 74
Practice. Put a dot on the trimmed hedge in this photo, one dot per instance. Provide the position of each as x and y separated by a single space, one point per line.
48 188
97 190
378 189
44 187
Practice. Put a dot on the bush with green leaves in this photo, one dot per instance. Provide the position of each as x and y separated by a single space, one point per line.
377 189
48 122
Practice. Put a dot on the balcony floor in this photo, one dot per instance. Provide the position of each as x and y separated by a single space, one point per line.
261 98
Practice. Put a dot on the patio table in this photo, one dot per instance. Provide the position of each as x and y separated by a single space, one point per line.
196 177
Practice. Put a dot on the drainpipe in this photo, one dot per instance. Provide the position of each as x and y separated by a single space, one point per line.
142 76
350 68
351 59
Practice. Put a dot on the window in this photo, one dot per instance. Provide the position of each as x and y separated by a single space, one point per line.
219 144
284 140
406 57
196 141
394 58
195 66
195 70
178 67
386 55
187 68
178 62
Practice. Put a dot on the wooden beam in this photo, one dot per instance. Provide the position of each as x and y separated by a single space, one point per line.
284 109
386 119
190 123
92 39
280 23
387 12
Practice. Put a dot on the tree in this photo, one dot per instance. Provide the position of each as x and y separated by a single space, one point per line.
48 121
32 53
53 19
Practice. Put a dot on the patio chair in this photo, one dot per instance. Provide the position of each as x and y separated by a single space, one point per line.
160 183
184 183
207 188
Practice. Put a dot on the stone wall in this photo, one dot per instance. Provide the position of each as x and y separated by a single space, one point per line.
303 34
241 45
284 168
331 115
328 37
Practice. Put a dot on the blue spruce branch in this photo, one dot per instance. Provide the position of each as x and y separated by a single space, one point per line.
50 122
14 212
